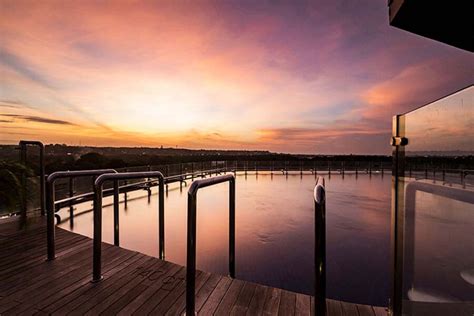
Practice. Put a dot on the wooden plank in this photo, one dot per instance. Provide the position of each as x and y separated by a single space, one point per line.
173 295
100 291
333 308
230 297
81 291
272 301
64 295
64 252
133 284
71 292
154 282
258 301
349 309
287 303
365 310
11 305
21 266
36 295
179 306
206 290
303 304
120 288
380 311
169 281
243 301
43 272
21 255
216 296
137 290
36 288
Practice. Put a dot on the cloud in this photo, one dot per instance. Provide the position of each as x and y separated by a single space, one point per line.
339 140
37 119
22 67
416 85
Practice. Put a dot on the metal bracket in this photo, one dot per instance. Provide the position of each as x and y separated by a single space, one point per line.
398 141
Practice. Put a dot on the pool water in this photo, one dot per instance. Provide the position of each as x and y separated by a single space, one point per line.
274 231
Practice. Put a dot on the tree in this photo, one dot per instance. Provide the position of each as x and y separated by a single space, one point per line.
11 191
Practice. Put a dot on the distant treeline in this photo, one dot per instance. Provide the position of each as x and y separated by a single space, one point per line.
62 157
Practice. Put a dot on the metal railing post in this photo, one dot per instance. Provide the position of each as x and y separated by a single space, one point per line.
98 186
320 248
191 234
232 228
50 229
125 197
191 255
71 205
50 210
97 242
116 214
149 186
161 217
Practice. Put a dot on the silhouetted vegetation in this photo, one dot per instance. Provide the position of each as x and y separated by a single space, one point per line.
11 190
63 157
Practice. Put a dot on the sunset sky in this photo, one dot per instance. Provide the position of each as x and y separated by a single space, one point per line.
295 76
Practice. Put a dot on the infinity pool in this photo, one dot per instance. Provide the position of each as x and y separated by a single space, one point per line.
274 231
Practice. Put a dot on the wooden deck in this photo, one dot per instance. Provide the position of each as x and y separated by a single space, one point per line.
133 283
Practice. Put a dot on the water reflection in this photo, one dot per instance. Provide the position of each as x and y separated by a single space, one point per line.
274 231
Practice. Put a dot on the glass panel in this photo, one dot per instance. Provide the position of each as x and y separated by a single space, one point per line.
436 199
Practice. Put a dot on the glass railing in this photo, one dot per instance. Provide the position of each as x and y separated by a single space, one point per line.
433 208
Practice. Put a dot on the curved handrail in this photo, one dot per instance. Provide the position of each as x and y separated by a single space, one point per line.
191 238
98 186
50 233
88 196
320 247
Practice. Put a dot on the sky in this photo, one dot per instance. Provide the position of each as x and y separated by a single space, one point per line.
316 77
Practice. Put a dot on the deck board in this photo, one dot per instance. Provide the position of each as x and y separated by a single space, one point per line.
133 284
258 301
240 306
287 303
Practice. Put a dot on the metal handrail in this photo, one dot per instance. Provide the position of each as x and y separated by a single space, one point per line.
87 196
191 239
98 186
23 144
320 247
50 233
